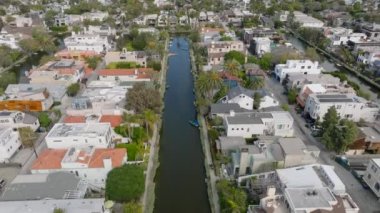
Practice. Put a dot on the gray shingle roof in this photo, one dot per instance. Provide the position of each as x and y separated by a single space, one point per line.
221 108
252 118
236 91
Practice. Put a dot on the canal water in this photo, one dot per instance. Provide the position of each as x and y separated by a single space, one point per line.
180 180
330 67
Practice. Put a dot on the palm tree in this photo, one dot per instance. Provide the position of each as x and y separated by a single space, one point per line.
232 67
207 82
28 138
255 83
149 119
130 119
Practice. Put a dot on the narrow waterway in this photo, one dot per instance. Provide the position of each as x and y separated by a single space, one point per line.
330 67
181 176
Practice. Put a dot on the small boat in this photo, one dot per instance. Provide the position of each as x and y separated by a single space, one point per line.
338 65
167 86
194 123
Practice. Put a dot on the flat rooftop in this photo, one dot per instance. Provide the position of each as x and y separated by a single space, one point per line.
252 118
310 198
48 206
299 177
79 130
40 186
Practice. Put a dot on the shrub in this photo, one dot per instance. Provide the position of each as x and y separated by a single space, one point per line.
73 89
125 183
44 119
132 150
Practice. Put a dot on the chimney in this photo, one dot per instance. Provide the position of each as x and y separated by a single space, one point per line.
107 162
232 113
271 191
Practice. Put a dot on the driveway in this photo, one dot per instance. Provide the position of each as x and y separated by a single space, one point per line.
366 201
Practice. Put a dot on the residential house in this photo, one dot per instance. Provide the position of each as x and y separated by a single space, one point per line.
75 54
226 145
62 20
126 75
202 16
57 92
308 89
10 40
296 66
85 106
307 21
369 57
95 16
217 50
372 177
27 100
245 98
150 20
341 36
348 106
281 153
261 45
248 125
102 30
64 136
85 42
368 140
17 119
311 188
223 109
21 21
88 205
138 57
90 164
372 31
299 80
58 185
9 143
62 72
113 120
162 20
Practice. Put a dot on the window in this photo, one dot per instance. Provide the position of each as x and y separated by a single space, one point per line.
302 67
242 128
369 176
377 187
338 106
374 169
309 67
233 129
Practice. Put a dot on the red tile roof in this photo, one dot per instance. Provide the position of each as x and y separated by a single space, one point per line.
74 119
114 120
117 155
52 158
118 72
49 159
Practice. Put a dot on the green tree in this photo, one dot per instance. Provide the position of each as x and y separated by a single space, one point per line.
73 89
265 61
150 119
44 119
132 207
27 136
92 62
58 210
125 184
292 96
232 199
232 67
207 82
256 100
255 83
49 17
221 93
311 54
331 118
285 107
7 78
47 58
141 98
349 132
235 55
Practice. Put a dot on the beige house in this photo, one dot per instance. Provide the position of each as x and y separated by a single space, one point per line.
137 57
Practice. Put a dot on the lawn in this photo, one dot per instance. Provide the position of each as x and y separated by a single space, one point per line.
132 150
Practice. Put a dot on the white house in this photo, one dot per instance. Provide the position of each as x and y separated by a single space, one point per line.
278 153
48 205
103 30
296 66
348 106
372 177
9 143
244 97
90 164
307 21
125 75
340 36
64 136
9 40
16 119
84 42
259 123
138 57
217 50
309 188
262 45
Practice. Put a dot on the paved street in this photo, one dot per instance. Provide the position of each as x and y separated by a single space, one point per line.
360 195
